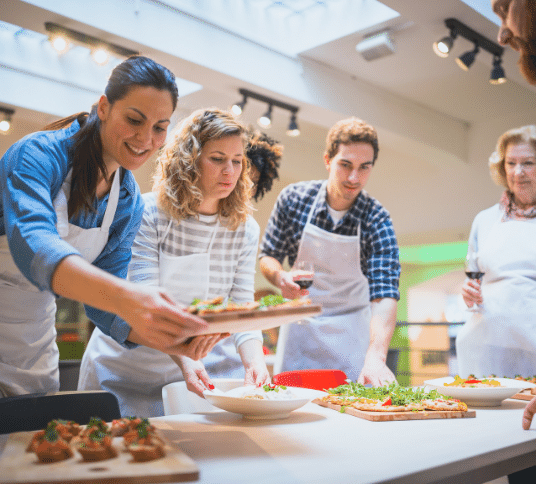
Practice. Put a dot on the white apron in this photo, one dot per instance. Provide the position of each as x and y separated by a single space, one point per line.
501 339
28 350
339 338
136 376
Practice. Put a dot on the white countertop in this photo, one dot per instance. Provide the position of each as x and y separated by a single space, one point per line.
319 445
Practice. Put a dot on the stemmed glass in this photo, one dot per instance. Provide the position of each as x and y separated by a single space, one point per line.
303 273
472 271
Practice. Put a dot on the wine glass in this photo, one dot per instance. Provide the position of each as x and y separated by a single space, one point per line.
303 273
472 271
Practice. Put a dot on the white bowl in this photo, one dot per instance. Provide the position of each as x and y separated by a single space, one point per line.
482 396
261 409
178 399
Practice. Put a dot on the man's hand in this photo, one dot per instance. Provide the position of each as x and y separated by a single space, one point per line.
375 372
289 288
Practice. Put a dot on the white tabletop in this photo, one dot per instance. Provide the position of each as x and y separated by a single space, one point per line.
319 445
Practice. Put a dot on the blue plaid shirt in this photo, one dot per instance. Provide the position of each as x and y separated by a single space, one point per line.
379 248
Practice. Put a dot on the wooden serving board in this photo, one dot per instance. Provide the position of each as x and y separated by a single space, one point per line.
21 467
524 395
236 321
390 416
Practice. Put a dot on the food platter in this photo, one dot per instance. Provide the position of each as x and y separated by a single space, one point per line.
21 467
481 396
232 401
391 416
258 319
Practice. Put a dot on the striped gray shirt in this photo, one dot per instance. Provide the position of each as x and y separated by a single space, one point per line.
232 256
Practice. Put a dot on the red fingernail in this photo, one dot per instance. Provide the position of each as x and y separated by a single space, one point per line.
211 386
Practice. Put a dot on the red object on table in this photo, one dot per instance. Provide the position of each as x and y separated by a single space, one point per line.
314 379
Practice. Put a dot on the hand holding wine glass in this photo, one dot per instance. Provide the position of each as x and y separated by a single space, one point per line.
303 274
473 272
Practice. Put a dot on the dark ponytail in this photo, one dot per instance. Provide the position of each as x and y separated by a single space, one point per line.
86 150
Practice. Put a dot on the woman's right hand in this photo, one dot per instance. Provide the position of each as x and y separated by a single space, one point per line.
195 375
156 320
472 292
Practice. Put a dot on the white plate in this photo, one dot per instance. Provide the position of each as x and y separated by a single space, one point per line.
260 409
481 397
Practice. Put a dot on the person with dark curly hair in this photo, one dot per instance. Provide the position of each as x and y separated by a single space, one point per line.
264 154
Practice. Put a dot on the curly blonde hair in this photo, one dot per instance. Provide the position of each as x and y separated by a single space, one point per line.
524 134
175 182
351 130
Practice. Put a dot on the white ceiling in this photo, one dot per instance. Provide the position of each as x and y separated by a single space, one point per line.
437 123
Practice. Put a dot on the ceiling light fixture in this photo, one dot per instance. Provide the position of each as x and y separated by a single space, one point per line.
457 28
100 49
266 119
497 73
239 107
293 129
5 123
466 60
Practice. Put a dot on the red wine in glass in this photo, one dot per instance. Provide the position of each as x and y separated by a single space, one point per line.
472 271
474 275
304 283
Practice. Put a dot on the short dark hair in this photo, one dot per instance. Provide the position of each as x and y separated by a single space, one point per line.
351 130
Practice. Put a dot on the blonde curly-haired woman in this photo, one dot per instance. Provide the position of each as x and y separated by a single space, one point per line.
198 240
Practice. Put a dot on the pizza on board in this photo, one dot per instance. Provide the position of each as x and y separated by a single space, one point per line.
391 398
217 305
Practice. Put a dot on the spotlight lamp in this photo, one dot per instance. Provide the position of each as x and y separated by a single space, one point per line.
466 60
239 107
5 123
265 120
293 130
100 55
497 73
60 43
442 47
457 28
100 49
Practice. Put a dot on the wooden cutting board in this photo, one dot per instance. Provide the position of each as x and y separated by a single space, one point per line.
390 416
236 321
21 467
524 395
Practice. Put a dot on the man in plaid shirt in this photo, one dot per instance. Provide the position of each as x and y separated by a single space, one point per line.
349 238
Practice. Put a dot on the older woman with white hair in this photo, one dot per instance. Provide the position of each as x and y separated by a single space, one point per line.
500 338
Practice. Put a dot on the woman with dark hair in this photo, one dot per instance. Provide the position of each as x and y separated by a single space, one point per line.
69 211
264 154
199 241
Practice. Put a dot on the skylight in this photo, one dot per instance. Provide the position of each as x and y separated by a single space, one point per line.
289 26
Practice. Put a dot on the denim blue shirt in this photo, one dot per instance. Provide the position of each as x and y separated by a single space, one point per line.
31 174
379 248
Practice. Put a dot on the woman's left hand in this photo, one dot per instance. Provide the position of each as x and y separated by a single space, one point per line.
254 363
257 374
